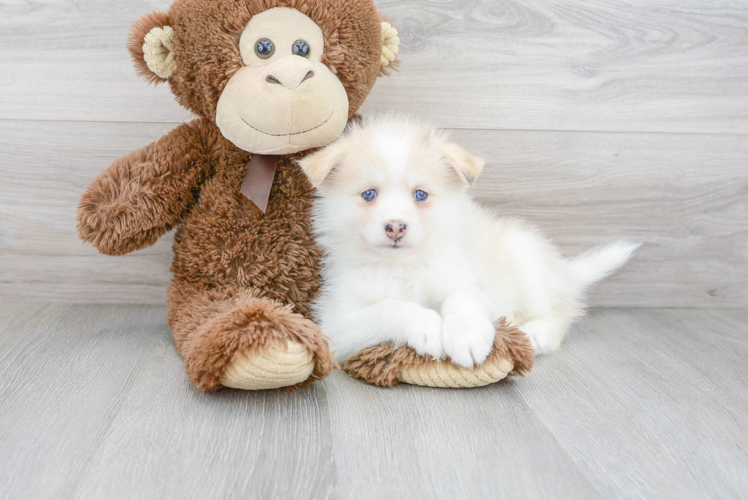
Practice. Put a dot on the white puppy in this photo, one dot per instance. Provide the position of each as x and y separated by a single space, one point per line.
411 258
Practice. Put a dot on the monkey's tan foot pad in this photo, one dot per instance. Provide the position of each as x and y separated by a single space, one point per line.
385 365
276 365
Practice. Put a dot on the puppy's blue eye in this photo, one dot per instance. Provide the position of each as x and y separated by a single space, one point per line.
420 195
369 194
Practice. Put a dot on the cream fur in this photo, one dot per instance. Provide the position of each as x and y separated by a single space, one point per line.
317 108
458 269
157 51
390 44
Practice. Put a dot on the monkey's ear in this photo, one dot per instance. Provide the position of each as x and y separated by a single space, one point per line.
317 166
151 44
467 166
390 48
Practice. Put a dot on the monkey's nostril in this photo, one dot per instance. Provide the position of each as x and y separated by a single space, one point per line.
309 75
272 79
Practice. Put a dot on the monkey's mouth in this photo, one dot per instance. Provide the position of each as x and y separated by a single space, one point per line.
292 133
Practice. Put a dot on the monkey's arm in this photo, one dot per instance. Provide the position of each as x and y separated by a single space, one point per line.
143 195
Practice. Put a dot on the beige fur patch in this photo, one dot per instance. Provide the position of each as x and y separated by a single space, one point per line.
390 44
157 51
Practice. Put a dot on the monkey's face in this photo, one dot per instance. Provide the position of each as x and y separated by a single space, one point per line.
274 79
284 99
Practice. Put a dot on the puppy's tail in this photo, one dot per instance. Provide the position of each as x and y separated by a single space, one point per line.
595 264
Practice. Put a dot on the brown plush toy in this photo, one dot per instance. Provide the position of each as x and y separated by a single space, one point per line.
386 365
269 80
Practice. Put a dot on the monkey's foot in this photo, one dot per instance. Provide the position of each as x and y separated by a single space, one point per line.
257 344
273 367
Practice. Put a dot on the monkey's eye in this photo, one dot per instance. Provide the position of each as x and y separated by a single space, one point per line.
300 48
420 195
369 194
264 48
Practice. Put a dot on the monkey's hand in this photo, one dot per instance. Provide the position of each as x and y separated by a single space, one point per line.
143 195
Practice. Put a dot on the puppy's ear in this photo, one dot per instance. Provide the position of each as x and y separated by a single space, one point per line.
467 166
317 166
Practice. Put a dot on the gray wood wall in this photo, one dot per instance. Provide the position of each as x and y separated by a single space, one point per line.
600 119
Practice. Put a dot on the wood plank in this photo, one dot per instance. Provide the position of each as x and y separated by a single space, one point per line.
666 66
80 69
94 403
650 404
61 386
415 442
169 440
684 196
14 326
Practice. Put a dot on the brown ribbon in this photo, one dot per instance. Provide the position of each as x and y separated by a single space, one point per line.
259 179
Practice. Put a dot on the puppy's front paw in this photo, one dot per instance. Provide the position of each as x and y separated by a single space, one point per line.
425 333
539 334
467 340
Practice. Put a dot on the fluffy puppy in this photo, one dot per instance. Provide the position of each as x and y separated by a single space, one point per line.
411 258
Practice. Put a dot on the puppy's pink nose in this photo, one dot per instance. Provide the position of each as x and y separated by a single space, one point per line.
395 229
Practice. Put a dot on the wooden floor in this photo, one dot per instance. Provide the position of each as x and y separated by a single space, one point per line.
94 403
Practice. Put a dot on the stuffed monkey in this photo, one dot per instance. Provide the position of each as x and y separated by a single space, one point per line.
269 80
